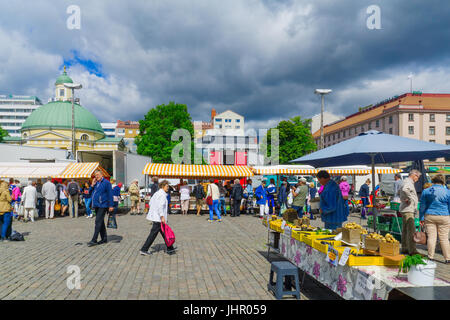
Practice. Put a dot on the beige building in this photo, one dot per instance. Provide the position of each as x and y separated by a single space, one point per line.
423 116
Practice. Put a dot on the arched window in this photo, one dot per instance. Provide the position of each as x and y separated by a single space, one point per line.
84 137
25 136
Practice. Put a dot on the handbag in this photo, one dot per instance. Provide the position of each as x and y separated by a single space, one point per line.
112 223
57 206
420 237
209 200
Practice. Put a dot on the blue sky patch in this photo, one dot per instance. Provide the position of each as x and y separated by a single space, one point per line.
91 66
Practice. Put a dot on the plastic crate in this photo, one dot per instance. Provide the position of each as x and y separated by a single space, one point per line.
308 239
383 227
396 206
276 226
370 261
397 227
323 247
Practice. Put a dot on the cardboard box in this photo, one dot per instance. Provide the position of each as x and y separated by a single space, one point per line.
290 215
351 235
372 244
389 249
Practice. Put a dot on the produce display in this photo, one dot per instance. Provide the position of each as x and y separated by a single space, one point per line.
353 225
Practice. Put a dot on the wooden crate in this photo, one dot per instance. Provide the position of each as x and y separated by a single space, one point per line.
389 249
351 235
372 244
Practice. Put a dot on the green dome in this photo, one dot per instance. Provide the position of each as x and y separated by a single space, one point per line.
64 78
58 115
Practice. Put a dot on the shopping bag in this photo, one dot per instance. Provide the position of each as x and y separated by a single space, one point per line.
420 237
266 209
169 236
283 208
21 210
112 223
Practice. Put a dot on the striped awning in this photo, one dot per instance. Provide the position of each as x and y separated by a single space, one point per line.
286 170
359 171
82 170
165 170
31 170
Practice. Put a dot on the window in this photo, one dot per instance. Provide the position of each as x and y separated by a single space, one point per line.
356 130
61 92
447 142
390 119
410 116
218 120
390 130
338 135
343 134
238 120
329 138
370 125
130 131
220 126
448 117
411 129
432 117
227 120
433 141
377 123
447 130
84 137
334 137
432 131
238 127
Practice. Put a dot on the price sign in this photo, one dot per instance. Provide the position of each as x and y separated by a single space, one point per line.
344 257
364 285
283 224
332 256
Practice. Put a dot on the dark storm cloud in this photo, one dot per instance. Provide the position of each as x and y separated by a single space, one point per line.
262 59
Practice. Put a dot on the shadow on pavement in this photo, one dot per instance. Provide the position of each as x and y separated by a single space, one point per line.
115 238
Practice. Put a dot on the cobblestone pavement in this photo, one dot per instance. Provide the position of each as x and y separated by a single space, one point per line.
214 260
218 261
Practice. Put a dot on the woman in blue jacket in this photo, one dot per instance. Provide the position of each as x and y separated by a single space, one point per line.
332 206
434 214
261 198
364 194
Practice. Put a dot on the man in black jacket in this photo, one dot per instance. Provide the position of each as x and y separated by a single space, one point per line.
236 194
199 194
154 187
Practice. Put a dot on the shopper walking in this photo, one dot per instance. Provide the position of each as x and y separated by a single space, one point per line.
102 202
16 196
237 194
223 194
435 217
158 215
40 198
248 195
364 194
332 208
133 191
199 194
408 207
397 186
282 195
213 191
63 197
185 197
5 210
116 197
300 195
73 192
49 193
271 191
29 200
261 198
87 198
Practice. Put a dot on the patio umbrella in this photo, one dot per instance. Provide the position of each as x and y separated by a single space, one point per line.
374 147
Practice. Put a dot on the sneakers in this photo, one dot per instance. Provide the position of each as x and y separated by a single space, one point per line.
145 253
172 251
220 220
92 243
209 220
102 241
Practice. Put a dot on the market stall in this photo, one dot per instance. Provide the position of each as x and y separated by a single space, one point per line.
193 171
346 266
82 170
31 170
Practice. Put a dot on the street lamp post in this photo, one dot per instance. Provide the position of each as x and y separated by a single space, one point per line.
73 86
322 92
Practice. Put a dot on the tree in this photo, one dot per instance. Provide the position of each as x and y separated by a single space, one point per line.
155 131
3 133
295 139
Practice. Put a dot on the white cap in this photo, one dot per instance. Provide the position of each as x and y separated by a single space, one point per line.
303 179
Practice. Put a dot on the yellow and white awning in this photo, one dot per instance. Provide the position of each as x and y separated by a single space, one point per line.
165 170
284 169
31 170
82 170
359 170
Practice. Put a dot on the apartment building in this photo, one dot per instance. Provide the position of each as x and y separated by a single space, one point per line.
14 110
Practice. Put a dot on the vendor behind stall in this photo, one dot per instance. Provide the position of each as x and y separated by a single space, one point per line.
332 205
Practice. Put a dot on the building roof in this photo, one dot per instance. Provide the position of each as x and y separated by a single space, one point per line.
64 78
109 140
58 114
128 124
429 101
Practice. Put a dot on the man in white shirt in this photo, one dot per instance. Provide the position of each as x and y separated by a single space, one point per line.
49 193
157 214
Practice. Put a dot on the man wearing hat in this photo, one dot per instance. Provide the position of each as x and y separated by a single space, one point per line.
300 195
133 190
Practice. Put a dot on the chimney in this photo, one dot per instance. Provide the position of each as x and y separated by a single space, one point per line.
213 114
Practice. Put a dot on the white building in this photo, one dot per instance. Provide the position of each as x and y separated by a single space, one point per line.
14 110
229 121
327 119
109 128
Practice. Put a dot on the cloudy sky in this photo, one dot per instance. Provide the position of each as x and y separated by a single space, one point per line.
261 59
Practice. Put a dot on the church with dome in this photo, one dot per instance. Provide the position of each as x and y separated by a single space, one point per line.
50 126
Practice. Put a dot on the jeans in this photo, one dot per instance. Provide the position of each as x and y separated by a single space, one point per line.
40 202
100 224
87 203
5 220
156 228
222 204
365 203
333 225
271 204
299 210
214 207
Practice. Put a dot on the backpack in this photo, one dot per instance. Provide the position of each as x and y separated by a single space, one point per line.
169 236
15 236
73 189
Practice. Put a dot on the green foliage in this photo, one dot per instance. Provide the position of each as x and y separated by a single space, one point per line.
155 131
410 261
3 133
295 140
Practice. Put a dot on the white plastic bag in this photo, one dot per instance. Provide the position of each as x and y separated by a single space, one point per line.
290 198
266 209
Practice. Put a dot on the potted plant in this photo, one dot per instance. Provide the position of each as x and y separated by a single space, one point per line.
420 272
